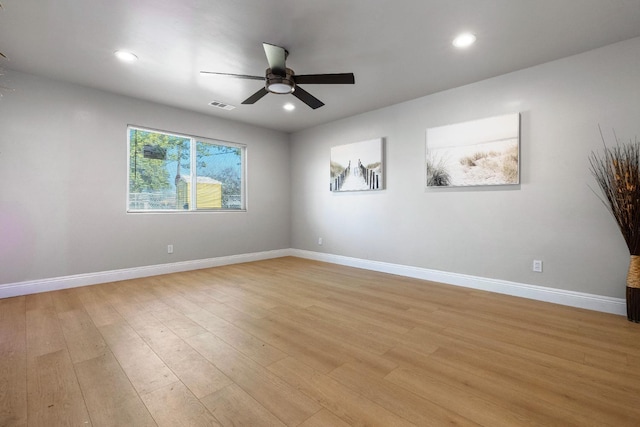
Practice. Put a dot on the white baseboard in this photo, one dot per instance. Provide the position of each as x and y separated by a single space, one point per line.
540 293
77 280
557 296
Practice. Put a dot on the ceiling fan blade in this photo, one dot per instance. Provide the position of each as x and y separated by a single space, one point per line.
320 79
307 98
239 76
256 96
276 57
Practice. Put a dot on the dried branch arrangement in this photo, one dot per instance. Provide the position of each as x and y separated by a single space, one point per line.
617 172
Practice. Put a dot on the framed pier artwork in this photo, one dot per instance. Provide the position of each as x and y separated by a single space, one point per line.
357 167
475 153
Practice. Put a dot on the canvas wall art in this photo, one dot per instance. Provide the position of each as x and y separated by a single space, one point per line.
479 152
357 166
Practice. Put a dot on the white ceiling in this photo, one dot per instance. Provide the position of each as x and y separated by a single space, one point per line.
397 49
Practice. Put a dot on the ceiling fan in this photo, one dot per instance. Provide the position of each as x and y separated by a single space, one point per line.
282 80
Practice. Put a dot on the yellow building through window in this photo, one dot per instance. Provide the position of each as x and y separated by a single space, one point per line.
208 193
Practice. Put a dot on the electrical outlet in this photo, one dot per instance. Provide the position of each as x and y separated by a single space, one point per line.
320 241
169 249
537 266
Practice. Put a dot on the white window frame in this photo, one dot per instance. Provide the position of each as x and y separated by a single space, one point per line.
193 140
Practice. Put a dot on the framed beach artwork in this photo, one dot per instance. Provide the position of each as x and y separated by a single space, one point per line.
357 166
474 153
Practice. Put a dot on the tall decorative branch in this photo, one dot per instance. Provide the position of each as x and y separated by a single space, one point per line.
617 172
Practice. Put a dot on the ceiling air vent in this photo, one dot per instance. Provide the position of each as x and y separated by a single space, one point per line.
221 105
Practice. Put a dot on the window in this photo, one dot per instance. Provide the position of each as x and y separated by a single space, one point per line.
163 168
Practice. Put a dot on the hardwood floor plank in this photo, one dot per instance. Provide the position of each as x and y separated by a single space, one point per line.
339 346
254 310
184 327
232 406
363 315
13 362
83 339
550 383
129 412
396 399
182 304
109 395
167 314
54 396
383 336
578 374
329 329
207 301
553 315
247 344
153 331
324 418
66 300
467 404
410 293
39 301
551 399
143 367
496 331
273 296
293 342
592 344
44 333
174 405
99 309
512 397
196 372
397 316
345 403
633 361
241 298
256 380
118 333
621 365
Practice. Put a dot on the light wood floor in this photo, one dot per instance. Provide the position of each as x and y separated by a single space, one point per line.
301 343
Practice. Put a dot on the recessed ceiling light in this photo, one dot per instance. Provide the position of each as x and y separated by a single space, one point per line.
125 56
464 40
289 107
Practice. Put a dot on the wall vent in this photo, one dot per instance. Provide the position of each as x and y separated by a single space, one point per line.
221 105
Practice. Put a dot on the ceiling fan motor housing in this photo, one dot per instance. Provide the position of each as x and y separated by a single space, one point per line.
278 84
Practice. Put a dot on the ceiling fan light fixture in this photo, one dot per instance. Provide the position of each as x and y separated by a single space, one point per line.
278 84
280 88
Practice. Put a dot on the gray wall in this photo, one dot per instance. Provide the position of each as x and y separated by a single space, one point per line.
63 175
494 232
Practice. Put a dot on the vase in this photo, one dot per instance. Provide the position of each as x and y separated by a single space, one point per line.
633 289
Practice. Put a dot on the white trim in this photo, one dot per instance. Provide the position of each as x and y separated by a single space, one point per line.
77 280
558 296
540 293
